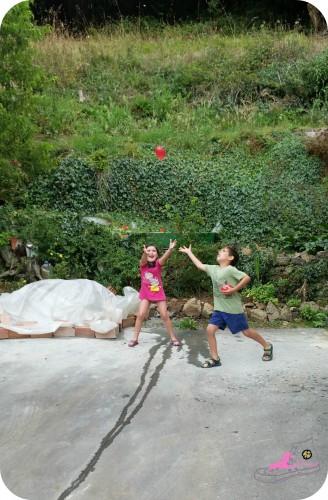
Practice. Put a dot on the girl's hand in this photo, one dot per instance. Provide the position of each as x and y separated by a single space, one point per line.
185 250
172 244
144 249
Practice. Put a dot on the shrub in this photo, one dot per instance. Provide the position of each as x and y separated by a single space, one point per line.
22 157
72 186
274 197
294 302
315 76
188 324
262 293
317 318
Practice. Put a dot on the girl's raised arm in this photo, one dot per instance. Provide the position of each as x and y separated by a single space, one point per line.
192 257
143 259
168 252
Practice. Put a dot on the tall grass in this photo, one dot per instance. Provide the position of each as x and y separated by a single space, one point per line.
191 87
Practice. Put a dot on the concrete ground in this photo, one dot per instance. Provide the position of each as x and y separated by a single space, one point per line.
89 419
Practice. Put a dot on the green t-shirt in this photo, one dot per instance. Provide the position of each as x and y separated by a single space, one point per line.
225 275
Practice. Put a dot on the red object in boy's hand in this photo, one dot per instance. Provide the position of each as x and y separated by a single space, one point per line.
225 288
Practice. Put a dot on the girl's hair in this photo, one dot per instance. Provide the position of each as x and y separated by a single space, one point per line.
233 253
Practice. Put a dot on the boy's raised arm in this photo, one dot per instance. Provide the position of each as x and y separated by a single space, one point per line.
192 257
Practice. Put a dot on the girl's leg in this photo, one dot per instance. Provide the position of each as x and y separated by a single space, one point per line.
253 334
211 330
162 308
141 316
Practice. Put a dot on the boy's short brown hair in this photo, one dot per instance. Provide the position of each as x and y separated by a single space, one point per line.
233 253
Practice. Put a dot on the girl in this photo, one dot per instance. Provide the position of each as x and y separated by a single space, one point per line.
152 290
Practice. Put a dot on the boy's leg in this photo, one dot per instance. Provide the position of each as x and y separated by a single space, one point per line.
211 330
268 348
162 309
141 316
253 334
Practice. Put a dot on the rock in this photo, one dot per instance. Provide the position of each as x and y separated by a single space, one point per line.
249 305
311 304
307 257
290 269
295 312
272 311
82 97
192 308
152 311
285 314
207 310
257 315
323 254
285 323
282 259
174 306
279 270
297 259
259 305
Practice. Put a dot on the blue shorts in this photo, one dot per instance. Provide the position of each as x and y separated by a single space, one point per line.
235 322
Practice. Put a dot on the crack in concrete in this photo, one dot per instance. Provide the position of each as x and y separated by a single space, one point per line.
124 419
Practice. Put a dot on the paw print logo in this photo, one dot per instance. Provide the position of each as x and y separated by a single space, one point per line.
306 454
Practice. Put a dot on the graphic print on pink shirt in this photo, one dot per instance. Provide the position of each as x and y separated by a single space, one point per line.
151 283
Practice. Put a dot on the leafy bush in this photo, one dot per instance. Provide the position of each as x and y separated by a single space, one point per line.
72 186
317 318
273 197
262 293
315 76
188 324
294 302
22 157
258 265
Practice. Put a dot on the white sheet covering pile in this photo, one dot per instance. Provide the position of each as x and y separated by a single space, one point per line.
45 306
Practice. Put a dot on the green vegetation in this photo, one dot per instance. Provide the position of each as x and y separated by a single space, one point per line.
22 155
316 318
188 324
294 302
196 92
262 293
82 116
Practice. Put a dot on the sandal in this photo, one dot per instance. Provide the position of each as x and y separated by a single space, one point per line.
210 363
268 353
176 343
133 343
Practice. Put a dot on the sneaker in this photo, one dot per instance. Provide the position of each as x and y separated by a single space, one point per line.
300 460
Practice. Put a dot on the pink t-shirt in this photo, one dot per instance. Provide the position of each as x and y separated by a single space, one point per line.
151 283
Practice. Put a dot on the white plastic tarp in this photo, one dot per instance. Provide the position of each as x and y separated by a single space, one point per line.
45 306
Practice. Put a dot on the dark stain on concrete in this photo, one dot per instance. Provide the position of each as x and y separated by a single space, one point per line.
125 418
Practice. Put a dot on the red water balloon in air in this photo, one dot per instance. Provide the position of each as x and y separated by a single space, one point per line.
160 152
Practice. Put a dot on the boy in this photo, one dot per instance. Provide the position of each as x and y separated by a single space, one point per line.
228 311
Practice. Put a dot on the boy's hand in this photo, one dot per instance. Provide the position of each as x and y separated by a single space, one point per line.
186 250
172 244
227 290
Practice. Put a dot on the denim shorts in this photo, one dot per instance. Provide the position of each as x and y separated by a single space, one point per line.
235 322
